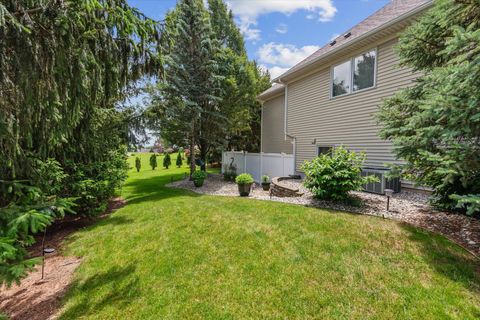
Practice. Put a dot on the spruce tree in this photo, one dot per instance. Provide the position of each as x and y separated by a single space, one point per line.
138 163
435 125
189 92
167 161
153 161
179 162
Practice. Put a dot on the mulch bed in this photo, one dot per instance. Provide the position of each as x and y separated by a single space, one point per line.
37 299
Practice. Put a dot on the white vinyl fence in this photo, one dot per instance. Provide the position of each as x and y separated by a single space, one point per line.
258 164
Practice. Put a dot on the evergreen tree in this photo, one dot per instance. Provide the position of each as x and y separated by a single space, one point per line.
153 161
435 125
233 120
64 67
189 92
167 161
179 162
138 163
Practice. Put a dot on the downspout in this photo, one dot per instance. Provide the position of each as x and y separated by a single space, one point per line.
261 143
285 128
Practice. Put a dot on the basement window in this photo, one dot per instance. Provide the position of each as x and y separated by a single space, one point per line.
324 150
356 74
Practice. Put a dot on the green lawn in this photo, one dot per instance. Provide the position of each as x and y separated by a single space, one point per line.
172 254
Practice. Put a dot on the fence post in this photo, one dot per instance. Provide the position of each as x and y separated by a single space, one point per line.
261 165
283 164
244 161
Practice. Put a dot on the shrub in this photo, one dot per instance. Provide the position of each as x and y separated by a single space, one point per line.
244 178
198 177
153 161
332 176
138 163
265 179
167 161
179 162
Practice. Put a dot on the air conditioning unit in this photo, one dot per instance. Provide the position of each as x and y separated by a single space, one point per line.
383 182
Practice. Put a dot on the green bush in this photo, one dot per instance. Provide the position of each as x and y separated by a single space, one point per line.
244 178
167 161
179 162
199 175
138 163
265 179
332 176
153 161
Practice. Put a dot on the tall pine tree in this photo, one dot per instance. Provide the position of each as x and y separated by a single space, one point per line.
190 90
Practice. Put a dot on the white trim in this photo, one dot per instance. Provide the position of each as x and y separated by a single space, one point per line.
285 112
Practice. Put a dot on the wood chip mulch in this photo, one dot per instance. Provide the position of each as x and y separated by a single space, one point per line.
37 299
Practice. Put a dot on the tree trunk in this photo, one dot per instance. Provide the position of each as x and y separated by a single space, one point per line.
192 150
203 153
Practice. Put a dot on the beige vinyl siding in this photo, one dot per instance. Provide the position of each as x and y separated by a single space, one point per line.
273 120
344 120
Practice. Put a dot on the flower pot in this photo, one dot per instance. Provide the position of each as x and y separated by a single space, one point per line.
244 189
198 183
266 186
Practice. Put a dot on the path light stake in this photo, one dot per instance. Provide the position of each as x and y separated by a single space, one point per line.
388 193
45 251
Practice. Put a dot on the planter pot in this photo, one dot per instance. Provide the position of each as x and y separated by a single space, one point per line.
198 183
244 189
266 186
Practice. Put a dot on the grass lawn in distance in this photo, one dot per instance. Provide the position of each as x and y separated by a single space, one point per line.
174 254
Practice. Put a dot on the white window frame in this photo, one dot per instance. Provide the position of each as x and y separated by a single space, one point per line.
352 71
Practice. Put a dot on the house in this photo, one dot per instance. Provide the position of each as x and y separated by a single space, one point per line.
331 97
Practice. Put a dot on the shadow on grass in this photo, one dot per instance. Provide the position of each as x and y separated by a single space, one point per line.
153 188
447 258
117 286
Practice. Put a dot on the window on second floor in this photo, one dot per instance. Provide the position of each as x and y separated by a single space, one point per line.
355 74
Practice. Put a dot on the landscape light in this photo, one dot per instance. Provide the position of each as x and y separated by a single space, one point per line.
388 193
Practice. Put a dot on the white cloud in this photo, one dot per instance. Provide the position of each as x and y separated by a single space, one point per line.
274 71
283 55
282 28
248 12
334 36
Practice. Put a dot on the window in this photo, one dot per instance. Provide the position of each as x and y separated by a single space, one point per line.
324 150
364 74
341 79
355 74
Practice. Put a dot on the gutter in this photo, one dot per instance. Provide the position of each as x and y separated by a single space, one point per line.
358 39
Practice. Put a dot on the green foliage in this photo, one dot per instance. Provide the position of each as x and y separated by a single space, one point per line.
244 178
153 161
332 176
28 213
138 163
435 125
167 161
65 67
221 109
229 172
198 177
179 161
265 179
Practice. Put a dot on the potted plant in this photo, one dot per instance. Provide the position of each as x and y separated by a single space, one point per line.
266 183
198 177
244 182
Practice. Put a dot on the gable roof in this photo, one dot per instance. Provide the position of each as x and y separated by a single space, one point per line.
396 10
274 90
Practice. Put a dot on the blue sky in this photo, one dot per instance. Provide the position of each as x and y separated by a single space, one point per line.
280 33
